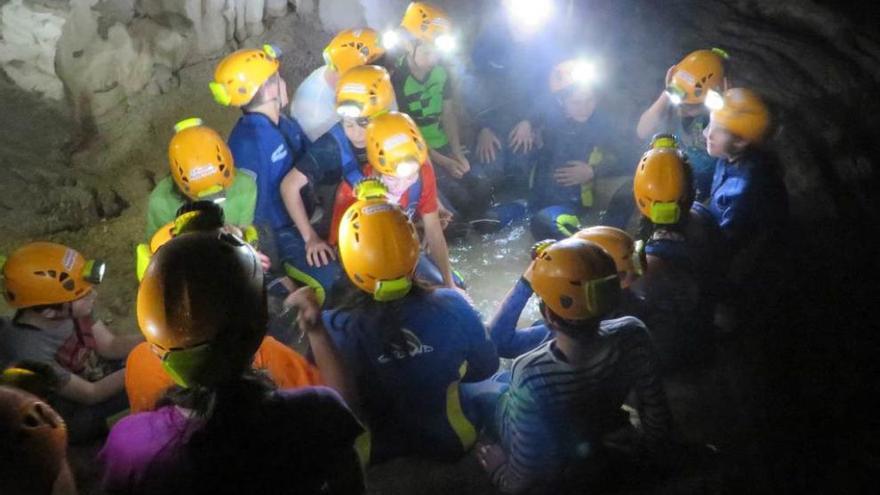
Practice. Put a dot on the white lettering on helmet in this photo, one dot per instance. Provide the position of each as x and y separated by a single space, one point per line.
69 259
395 141
202 172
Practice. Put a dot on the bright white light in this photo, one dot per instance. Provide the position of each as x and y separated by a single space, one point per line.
714 101
390 39
348 111
531 13
446 43
584 72
674 98
407 169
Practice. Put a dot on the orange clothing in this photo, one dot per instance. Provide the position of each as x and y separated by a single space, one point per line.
146 380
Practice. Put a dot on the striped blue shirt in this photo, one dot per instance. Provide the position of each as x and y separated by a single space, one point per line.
554 412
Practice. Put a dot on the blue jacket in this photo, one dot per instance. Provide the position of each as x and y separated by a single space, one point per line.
410 395
267 152
747 198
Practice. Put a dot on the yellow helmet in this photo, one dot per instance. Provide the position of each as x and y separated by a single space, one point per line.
576 279
346 51
364 92
662 184
241 74
45 273
696 75
395 145
379 248
620 245
201 162
426 22
744 114
184 306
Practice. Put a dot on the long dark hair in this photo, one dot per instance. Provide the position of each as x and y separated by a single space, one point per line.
387 315
229 424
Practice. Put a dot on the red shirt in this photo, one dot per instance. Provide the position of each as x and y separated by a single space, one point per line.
427 199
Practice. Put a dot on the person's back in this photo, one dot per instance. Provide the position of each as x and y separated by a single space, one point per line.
407 387
580 403
308 430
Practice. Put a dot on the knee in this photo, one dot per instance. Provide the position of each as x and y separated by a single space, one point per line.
555 222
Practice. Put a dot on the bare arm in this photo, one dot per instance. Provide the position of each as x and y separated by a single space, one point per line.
91 393
439 251
449 121
327 357
112 346
652 119
291 186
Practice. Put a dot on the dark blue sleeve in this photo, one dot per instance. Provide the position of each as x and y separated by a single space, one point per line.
351 169
337 323
510 341
293 134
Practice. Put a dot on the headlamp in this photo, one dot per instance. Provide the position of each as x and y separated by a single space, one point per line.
584 72
714 101
348 111
93 271
531 13
446 43
390 39
676 94
663 141
185 365
407 168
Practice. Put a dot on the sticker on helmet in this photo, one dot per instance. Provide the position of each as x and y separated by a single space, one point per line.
354 88
395 141
69 259
373 209
686 76
202 172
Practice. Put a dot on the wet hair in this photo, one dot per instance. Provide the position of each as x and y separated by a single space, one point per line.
361 305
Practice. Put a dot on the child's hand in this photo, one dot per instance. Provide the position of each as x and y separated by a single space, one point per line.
487 145
305 301
318 252
445 216
575 174
462 163
522 138
491 457
265 262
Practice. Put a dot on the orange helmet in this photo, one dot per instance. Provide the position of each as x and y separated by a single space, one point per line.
242 73
202 306
576 279
45 273
426 22
662 184
201 163
33 443
162 236
347 50
395 145
571 73
697 74
620 245
743 114
364 92
379 248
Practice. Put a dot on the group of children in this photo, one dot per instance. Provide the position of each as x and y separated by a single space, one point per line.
338 209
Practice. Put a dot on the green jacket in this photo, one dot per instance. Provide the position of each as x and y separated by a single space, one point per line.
166 199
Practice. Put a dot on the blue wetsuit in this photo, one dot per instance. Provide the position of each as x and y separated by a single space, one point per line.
411 396
556 209
748 199
267 152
